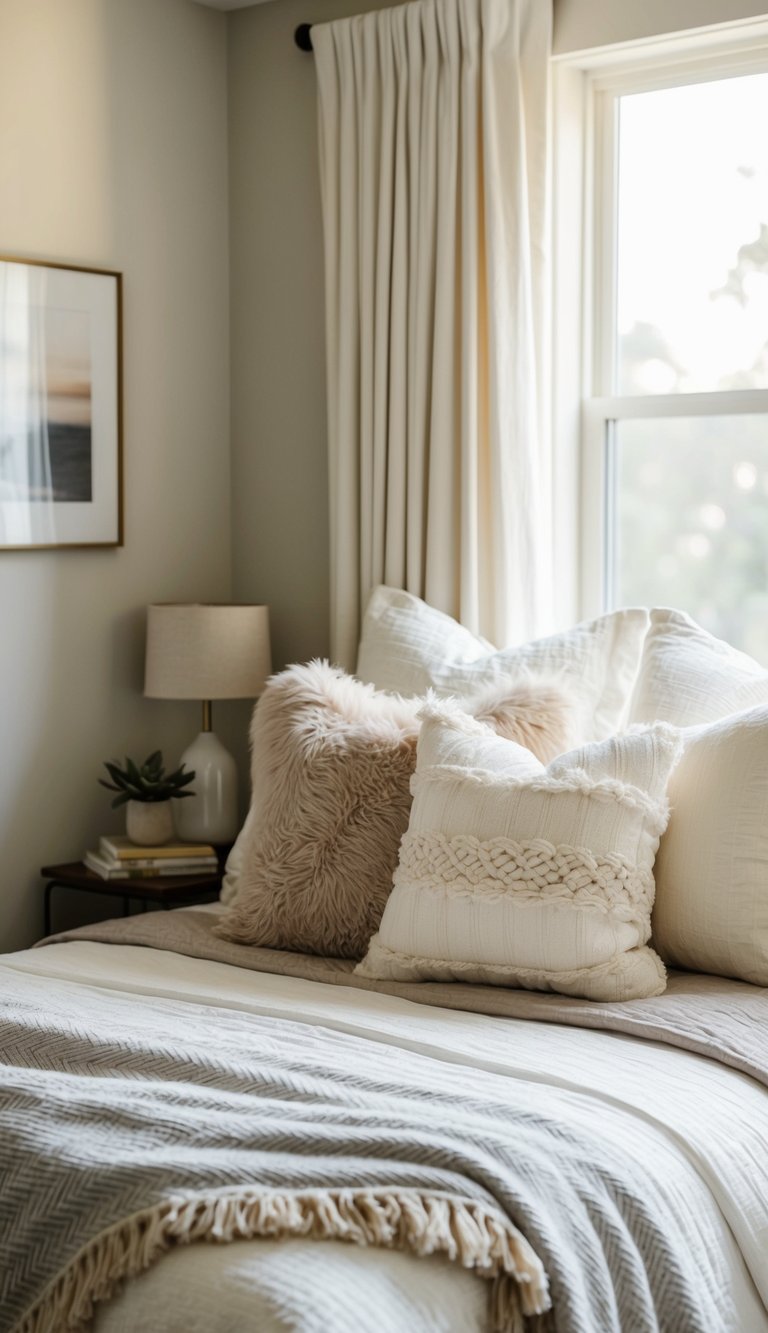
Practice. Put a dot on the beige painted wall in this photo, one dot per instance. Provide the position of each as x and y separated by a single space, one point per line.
113 153
582 24
280 491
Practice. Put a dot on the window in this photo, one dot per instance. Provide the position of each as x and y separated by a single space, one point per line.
675 424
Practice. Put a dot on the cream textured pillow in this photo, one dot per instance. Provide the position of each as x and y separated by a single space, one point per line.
331 766
688 677
711 912
409 647
518 875
230 882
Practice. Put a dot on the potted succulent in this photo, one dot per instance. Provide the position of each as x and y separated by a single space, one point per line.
147 791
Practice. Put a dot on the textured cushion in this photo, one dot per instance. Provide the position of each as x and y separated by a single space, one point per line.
409 647
332 761
233 870
688 677
711 912
513 874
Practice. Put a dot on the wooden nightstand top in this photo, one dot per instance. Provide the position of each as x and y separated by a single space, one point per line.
155 888
165 890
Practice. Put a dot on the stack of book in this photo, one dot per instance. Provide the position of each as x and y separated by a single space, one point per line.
118 858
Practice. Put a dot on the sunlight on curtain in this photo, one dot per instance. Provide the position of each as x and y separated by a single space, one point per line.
25 465
433 149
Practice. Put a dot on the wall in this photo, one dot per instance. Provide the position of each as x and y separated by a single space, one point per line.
582 24
113 154
280 505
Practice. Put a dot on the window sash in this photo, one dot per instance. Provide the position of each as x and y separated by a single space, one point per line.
588 88
597 491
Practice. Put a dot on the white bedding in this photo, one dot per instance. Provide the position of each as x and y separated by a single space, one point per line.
707 1123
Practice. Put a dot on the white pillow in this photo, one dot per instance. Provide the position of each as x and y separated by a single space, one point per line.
233 870
711 912
408 647
513 874
688 677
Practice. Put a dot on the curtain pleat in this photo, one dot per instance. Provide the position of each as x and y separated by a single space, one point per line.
433 158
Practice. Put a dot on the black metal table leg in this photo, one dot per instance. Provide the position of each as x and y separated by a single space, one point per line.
47 907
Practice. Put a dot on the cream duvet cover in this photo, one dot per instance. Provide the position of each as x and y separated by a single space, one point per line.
705 1123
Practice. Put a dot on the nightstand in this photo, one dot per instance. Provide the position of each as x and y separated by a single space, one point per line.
167 890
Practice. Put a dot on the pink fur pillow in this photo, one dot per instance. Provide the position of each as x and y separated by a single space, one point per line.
331 763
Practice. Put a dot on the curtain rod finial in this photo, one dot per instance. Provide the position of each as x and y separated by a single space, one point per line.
303 37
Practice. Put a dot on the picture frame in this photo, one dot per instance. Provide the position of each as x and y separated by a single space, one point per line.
60 406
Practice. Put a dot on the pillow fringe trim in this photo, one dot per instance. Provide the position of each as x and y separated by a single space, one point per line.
465 1231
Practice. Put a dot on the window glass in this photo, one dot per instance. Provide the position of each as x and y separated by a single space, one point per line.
691 503
692 281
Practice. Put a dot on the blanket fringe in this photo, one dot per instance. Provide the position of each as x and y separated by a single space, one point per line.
464 1230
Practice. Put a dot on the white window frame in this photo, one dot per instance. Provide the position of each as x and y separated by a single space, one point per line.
585 410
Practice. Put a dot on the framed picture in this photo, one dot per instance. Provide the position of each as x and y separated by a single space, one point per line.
60 406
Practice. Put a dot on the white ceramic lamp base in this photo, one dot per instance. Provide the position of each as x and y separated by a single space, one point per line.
211 814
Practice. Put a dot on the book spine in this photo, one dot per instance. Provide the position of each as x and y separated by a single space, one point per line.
155 854
126 876
156 867
103 871
110 870
170 873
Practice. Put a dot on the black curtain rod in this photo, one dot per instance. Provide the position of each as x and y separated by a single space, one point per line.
303 37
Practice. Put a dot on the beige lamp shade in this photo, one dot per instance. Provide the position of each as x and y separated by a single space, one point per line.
207 651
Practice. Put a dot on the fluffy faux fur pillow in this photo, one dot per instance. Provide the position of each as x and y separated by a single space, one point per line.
331 765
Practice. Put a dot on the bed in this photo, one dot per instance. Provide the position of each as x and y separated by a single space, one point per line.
654 1113
424 1069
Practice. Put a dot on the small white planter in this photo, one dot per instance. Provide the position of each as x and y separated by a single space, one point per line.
149 823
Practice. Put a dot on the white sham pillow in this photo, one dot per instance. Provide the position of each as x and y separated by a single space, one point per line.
233 870
514 874
688 677
408 647
711 911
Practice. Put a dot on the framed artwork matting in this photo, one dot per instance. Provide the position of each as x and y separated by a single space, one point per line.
60 406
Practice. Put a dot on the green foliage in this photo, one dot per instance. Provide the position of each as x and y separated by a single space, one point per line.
147 783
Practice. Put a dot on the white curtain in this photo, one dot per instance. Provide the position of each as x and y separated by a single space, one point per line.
433 154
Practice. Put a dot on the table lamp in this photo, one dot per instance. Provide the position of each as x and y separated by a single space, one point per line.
206 652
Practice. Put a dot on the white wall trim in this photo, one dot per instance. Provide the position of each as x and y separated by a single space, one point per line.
230 4
622 57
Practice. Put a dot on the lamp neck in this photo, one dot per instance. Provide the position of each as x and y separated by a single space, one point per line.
207 715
